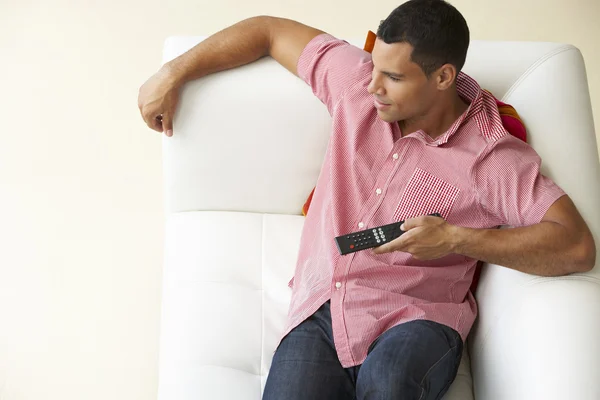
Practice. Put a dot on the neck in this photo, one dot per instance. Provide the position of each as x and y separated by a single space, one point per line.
438 118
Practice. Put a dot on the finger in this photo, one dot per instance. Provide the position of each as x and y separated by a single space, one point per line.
381 249
167 124
152 120
396 244
415 222
386 248
157 124
409 223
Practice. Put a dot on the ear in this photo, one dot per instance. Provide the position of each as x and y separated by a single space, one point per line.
446 76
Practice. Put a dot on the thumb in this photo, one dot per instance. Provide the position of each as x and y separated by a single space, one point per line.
167 124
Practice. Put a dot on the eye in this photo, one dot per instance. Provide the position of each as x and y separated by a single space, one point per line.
393 78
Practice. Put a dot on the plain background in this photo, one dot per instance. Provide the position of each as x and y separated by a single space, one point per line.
81 207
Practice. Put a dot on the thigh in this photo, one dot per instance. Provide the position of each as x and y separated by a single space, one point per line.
417 360
305 365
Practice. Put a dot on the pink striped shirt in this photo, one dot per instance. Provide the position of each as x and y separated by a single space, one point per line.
475 175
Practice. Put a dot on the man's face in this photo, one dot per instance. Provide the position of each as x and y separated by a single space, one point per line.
400 88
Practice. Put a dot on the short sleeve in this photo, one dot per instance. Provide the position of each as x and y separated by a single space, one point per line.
509 184
331 66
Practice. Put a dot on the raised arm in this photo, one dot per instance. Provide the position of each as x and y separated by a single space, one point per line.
237 45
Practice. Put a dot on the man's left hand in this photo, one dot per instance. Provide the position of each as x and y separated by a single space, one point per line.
426 238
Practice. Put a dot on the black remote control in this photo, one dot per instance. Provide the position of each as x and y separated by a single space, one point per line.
369 238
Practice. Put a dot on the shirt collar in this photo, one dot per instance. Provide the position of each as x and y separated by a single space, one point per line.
469 90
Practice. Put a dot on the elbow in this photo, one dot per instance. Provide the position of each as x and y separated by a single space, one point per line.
586 259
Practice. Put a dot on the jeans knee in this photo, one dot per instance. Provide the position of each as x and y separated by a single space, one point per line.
375 382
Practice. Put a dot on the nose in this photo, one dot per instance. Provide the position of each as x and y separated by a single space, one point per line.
375 86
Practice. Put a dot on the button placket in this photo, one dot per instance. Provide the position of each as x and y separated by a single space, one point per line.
394 168
378 191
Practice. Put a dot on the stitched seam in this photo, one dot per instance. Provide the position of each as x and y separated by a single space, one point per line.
453 285
432 367
484 153
416 182
449 383
535 66
542 279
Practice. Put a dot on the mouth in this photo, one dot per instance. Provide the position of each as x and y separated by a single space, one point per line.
380 105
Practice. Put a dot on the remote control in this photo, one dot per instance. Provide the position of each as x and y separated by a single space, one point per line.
369 238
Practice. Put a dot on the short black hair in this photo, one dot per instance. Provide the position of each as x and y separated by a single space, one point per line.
435 29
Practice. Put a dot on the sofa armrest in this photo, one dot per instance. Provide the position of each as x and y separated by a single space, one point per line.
536 338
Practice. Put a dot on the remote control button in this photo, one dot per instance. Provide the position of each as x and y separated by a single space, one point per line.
378 241
351 246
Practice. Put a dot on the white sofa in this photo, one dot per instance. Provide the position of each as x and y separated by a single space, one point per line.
234 189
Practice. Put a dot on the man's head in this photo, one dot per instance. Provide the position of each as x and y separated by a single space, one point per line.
420 48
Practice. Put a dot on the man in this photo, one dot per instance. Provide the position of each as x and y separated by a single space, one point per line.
412 136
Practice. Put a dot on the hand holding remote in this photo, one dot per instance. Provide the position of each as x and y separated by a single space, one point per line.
372 237
425 238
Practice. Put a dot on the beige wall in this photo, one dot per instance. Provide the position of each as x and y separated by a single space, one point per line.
81 222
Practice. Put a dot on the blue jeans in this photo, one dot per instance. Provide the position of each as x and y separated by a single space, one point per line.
414 360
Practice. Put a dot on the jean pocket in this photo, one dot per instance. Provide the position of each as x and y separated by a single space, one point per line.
426 194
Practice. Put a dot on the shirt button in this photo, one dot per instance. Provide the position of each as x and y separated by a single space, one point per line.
378 191
395 156
361 225
338 285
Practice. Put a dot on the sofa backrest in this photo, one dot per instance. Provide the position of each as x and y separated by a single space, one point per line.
253 138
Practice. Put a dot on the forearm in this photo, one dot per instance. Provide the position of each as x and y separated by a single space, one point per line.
237 45
545 249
